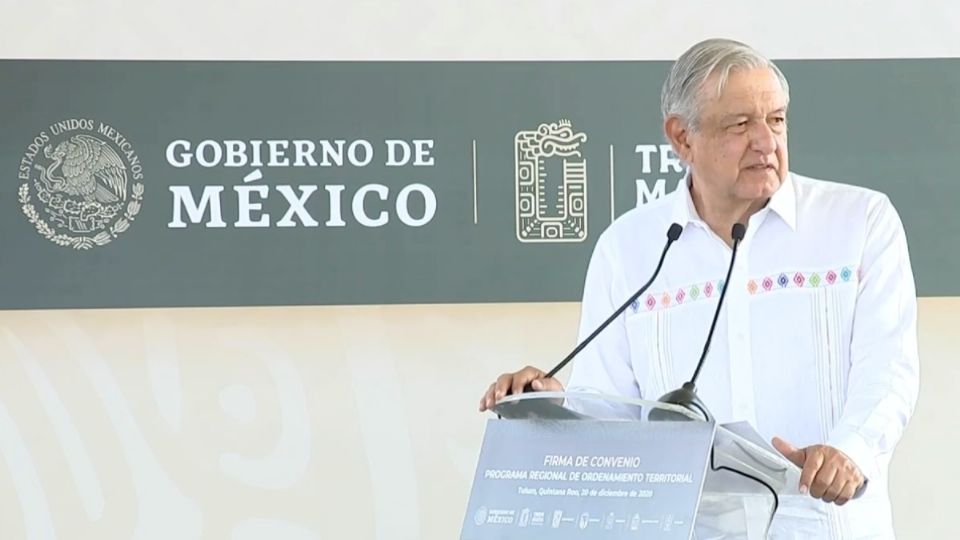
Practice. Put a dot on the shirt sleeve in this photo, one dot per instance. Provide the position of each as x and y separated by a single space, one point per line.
883 382
604 366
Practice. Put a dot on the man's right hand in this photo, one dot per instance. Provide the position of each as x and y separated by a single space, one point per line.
514 383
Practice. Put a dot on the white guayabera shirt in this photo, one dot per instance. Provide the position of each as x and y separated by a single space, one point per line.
816 342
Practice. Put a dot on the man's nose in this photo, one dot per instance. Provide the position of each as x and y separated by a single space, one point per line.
763 139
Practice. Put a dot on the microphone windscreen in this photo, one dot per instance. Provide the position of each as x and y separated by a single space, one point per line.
674 232
739 229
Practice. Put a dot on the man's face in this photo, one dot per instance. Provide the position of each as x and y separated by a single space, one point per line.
739 153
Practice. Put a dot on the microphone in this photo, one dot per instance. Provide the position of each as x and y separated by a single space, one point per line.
673 233
686 395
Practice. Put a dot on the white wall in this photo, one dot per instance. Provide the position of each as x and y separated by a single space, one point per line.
473 30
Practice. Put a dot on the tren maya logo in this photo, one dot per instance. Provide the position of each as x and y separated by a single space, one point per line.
551 184
81 183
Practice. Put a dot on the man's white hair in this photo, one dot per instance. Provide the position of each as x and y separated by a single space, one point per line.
685 90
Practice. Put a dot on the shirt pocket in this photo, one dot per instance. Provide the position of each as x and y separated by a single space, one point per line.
802 518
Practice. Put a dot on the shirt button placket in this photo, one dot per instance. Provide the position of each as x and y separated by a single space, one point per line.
738 327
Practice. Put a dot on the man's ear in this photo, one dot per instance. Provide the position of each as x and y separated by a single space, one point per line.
678 134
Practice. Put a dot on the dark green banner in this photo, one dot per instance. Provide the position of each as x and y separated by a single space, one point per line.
136 184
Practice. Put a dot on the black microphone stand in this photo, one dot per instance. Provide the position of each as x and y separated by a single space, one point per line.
686 395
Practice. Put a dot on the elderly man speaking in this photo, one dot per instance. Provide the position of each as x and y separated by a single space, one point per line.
816 344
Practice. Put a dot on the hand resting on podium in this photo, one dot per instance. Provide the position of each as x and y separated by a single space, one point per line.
515 383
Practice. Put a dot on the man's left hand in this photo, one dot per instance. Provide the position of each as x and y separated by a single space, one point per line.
828 474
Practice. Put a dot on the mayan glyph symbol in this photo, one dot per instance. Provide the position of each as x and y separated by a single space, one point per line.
551 184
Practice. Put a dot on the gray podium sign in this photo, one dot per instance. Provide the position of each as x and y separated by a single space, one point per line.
563 479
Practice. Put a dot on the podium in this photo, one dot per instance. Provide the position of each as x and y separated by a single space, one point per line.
568 465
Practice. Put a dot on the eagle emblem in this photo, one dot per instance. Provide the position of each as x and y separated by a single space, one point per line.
84 189
90 170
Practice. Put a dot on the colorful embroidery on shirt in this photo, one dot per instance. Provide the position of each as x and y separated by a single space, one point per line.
755 286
